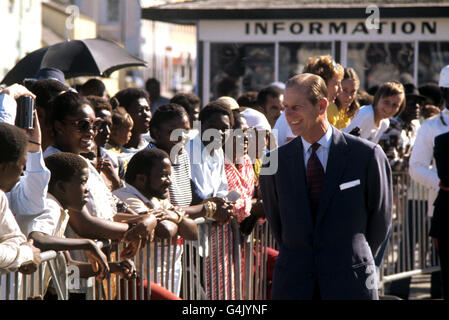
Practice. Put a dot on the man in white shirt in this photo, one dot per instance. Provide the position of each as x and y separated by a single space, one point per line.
422 167
206 154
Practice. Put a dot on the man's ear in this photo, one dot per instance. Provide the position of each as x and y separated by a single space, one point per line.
323 104
60 187
59 127
140 180
155 134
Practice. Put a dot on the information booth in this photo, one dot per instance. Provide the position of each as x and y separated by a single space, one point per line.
245 45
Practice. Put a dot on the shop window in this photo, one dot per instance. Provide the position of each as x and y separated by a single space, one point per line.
113 10
237 67
376 63
294 55
433 56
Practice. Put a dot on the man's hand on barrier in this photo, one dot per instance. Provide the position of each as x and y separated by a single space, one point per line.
31 266
166 214
125 269
98 261
224 211
131 249
141 229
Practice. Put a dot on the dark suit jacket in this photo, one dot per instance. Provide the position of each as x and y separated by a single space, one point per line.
337 253
440 219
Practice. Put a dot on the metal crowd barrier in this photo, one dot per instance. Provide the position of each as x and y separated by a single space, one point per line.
18 286
221 265
409 251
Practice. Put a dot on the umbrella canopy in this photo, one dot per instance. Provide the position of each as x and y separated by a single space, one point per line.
89 57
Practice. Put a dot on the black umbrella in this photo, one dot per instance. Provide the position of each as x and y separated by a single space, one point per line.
89 57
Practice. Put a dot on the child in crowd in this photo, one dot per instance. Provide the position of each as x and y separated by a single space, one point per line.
67 190
346 103
372 121
110 166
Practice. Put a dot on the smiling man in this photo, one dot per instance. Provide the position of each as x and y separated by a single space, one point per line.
329 204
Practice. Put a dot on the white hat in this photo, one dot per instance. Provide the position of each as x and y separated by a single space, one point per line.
279 85
444 77
229 101
256 119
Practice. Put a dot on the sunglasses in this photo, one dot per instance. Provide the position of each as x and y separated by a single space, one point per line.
86 125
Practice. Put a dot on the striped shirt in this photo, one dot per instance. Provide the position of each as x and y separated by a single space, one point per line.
180 189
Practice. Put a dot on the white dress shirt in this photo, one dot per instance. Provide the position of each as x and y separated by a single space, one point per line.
323 151
422 164
12 253
364 120
282 131
208 173
8 109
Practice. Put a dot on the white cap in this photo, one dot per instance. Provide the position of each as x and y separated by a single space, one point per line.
278 84
444 77
256 119
229 101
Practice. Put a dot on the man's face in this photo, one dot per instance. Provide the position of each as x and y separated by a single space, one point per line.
11 171
140 112
301 114
159 181
194 114
412 108
273 108
219 122
76 132
104 128
163 133
333 89
77 192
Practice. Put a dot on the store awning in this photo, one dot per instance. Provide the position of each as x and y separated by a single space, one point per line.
189 12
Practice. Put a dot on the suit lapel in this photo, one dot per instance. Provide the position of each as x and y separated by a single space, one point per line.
297 171
336 164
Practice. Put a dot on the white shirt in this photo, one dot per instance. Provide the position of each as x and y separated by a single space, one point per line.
282 130
52 221
364 119
8 109
12 253
132 197
422 164
27 197
100 202
207 171
323 151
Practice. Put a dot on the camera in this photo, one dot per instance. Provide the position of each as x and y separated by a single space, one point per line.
25 113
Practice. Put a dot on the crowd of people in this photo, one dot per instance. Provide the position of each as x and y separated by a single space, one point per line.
134 166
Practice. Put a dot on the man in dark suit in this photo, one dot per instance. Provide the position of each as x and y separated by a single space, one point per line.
329 204
440 220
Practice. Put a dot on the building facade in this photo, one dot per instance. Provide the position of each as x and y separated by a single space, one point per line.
246 45
20 21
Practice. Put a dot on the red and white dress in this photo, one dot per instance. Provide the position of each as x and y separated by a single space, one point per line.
241 179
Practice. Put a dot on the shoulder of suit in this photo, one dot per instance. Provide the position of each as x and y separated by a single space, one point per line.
442 137
354 141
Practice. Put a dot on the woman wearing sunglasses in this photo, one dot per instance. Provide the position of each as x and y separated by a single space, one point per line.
75 125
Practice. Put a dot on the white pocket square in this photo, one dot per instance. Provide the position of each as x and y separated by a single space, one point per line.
349 184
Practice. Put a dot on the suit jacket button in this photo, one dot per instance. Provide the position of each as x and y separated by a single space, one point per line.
310 275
